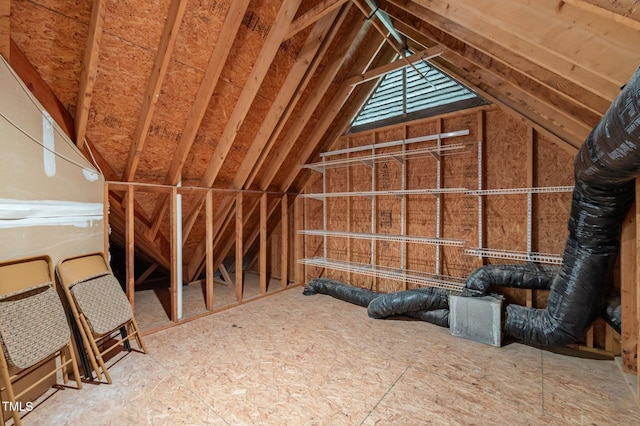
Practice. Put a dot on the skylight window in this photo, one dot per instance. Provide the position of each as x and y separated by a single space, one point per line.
404 94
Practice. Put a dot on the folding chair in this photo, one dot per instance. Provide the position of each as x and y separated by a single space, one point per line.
33 327
99 306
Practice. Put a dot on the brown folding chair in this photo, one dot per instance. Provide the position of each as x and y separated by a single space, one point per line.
33 327
99 306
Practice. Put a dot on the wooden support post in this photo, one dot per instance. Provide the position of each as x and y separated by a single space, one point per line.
209 251
130 245
298 218
284 254
174 254
530 302
628 294
239 248
263 243
89 70
481 183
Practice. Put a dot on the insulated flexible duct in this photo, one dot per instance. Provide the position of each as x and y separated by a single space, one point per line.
426 304
605 168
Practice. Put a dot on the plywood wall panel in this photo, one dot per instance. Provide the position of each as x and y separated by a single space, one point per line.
171 113
136 22
119 89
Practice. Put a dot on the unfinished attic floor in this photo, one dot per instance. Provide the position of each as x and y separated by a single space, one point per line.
289 359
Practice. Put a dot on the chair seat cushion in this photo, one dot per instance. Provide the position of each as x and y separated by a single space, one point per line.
33 326
103 303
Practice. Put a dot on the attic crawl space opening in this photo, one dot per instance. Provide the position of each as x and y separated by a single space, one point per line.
415 91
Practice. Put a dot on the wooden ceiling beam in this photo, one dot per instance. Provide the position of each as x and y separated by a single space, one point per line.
243 105
316 13
89 69
5 29
317 93
595 54
285 103
430 53
152 92
199 107
495 52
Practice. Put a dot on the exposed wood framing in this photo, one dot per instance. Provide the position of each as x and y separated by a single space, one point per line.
242 106
530 164
263 243
495 52
288 96
292 89
316 13
89 69
284 240
292 135
551 44
332 112
311 103
158 72
239 246
298 220
380 71
209 251
146 274
30 76
249 92
207 86
175 279
130 245
504 89
5 29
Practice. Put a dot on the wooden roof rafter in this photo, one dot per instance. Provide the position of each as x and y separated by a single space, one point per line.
346 94
320 88
241 109
560 115
551 45
158 72
287 99
209 82
324 81
298 77
89 69
316 13
493 50
321 128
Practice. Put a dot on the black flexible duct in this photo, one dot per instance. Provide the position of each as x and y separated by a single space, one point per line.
356 295
426 304
605 167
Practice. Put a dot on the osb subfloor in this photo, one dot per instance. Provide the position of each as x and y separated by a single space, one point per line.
288 359
153 308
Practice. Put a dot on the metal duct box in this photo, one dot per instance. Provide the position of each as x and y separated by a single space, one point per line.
476 318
